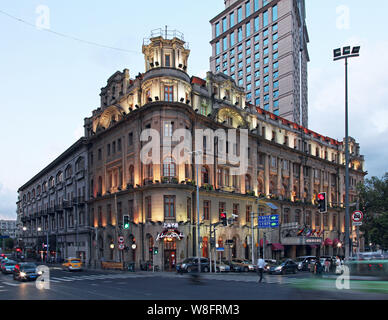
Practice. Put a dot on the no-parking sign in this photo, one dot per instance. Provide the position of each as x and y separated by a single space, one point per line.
357 217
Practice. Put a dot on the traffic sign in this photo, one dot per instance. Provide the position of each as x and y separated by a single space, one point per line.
357 224
271 221
4 237
121 246
357 216
220 249
121 239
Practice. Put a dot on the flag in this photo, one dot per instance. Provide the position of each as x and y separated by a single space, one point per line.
300 232
308 233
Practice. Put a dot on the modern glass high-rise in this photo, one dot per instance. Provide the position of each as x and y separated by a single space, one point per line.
262 45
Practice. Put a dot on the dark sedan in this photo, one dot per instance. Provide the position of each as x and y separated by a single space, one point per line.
9 267
25 271
191 265
288 266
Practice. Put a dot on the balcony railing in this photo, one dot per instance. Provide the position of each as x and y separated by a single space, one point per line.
173 180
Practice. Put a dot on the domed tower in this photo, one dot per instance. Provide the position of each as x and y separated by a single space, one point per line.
166 55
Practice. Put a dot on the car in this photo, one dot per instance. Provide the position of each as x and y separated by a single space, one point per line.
190 265
246 265
222 267
269 263
4 262
234 266
9 267
287 266
26 271
72 264
304 262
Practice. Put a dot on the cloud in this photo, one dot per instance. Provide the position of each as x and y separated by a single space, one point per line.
368 110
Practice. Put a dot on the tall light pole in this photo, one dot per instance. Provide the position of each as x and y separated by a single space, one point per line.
345 54
198 231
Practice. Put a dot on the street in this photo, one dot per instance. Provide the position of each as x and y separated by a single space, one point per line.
116 285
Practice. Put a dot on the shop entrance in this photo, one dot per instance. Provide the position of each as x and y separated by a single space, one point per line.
169 254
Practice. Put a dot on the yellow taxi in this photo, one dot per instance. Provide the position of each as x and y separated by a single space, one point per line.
72 264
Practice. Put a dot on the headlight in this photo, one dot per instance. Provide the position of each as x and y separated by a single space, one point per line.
278 268
184 265
40 272
300 264
22 274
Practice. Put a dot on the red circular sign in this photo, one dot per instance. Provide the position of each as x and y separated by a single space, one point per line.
357 216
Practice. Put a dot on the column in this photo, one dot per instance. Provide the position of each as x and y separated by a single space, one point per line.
291 178
279 177
301 182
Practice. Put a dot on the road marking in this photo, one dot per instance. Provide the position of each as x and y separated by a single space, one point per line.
12 284
61 279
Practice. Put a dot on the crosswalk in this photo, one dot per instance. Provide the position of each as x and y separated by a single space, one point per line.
4 284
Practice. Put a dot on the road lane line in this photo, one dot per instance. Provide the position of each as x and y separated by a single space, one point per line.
60 279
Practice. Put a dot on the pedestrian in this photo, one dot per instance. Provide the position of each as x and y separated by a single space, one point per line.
318 267
327 265
260 268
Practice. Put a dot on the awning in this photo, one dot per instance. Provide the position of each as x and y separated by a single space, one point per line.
277 247
313 246
328 242
261 243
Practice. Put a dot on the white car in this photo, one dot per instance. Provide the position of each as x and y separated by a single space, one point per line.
221 267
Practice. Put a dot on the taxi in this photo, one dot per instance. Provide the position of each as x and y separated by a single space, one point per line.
72 264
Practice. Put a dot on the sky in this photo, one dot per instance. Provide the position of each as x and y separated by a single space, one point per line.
50 83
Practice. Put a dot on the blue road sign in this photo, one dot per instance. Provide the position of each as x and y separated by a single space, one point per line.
271 221
4 237
220 249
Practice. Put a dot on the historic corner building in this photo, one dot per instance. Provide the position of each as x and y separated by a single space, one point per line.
288 165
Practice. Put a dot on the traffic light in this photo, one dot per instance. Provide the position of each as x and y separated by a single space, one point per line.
126 222
223 218
156 250
322 202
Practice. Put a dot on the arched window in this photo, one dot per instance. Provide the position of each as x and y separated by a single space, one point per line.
260 185
59 177
68 171
80 164
169 167
38 190
51 182
44 186
33 193
205 175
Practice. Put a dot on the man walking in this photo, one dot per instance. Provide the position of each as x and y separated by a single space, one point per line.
260 268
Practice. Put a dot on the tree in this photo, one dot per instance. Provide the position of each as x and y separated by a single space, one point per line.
373 195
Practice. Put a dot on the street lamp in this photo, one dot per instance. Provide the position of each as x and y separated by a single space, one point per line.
198 232
345 54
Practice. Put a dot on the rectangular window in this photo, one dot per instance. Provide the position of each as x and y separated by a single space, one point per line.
275 65
232 39
169 206
167 60
224 25
206 210
239 15
276 84
248 29
231 20
108 149
275 37
225 43
256 4
239 35
168 129
248 211
218 47
221 208
274 13
188 208
256 23
217 29
275 46
247 9
148 208
235 211
265 18
168 93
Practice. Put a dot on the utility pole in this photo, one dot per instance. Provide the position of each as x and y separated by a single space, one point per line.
252 236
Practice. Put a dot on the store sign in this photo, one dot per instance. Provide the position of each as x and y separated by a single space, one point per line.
170 225
313 241
170 234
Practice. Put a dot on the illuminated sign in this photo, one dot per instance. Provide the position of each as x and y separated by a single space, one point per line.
170 234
